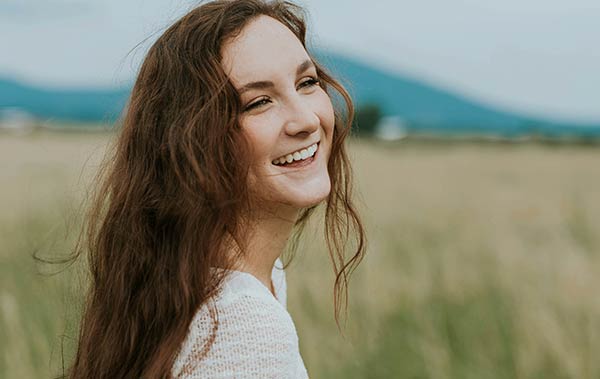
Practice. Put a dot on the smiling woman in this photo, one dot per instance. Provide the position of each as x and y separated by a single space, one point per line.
229 143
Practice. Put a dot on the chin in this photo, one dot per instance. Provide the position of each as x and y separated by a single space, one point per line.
309 202
299 198
296 190
308 197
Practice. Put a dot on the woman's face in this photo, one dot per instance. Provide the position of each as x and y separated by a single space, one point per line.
284 112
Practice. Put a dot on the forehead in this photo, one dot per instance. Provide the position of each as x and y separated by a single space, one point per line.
265 48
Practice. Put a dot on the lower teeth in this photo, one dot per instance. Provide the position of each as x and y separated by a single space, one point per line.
292 162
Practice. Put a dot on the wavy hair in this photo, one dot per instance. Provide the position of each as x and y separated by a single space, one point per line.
171 192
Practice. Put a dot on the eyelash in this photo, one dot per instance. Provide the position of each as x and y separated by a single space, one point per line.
311 82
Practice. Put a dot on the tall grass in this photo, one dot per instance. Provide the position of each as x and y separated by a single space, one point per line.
483 262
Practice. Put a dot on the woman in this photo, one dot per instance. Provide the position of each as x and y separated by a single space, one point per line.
229 143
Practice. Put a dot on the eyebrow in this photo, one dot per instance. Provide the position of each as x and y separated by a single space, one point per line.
268 84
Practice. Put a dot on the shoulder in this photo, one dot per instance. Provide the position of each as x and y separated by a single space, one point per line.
255 334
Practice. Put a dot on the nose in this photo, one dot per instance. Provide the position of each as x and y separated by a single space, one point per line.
301 117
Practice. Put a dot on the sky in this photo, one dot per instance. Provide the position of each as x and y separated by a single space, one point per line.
535 57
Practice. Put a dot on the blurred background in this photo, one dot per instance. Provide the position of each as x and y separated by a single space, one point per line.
476 150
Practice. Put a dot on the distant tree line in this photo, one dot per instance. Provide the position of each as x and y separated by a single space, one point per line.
365 120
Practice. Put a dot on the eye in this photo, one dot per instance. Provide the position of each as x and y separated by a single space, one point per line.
257 104
307 83
310 82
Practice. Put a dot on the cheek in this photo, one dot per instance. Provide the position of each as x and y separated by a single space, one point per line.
261 138
326 112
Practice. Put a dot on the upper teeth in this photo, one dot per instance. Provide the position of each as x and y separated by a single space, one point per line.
297 155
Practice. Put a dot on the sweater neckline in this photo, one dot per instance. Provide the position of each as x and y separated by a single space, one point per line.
277 295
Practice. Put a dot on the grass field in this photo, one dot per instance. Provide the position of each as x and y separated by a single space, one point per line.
483 262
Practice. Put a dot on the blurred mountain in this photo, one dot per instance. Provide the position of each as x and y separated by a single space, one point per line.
87 105
422 107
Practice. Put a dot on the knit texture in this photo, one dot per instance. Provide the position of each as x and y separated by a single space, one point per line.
256 337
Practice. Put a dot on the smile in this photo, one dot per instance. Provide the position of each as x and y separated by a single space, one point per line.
293 159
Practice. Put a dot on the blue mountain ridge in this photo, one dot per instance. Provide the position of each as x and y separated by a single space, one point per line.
85 105
426 108
423 107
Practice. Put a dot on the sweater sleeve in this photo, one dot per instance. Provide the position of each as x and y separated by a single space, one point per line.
256 338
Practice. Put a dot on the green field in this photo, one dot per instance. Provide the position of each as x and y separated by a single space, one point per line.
483 261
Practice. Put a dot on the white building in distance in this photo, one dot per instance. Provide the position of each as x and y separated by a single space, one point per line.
391 128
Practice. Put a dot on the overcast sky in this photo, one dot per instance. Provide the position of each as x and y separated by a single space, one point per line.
538 57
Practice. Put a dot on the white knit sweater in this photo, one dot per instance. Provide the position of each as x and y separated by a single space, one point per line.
256 337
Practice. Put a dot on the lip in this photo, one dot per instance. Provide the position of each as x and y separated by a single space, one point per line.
306 162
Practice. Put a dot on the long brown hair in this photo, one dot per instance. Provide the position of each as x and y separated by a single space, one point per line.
171 192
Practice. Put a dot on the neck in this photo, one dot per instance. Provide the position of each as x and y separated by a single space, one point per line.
268 236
